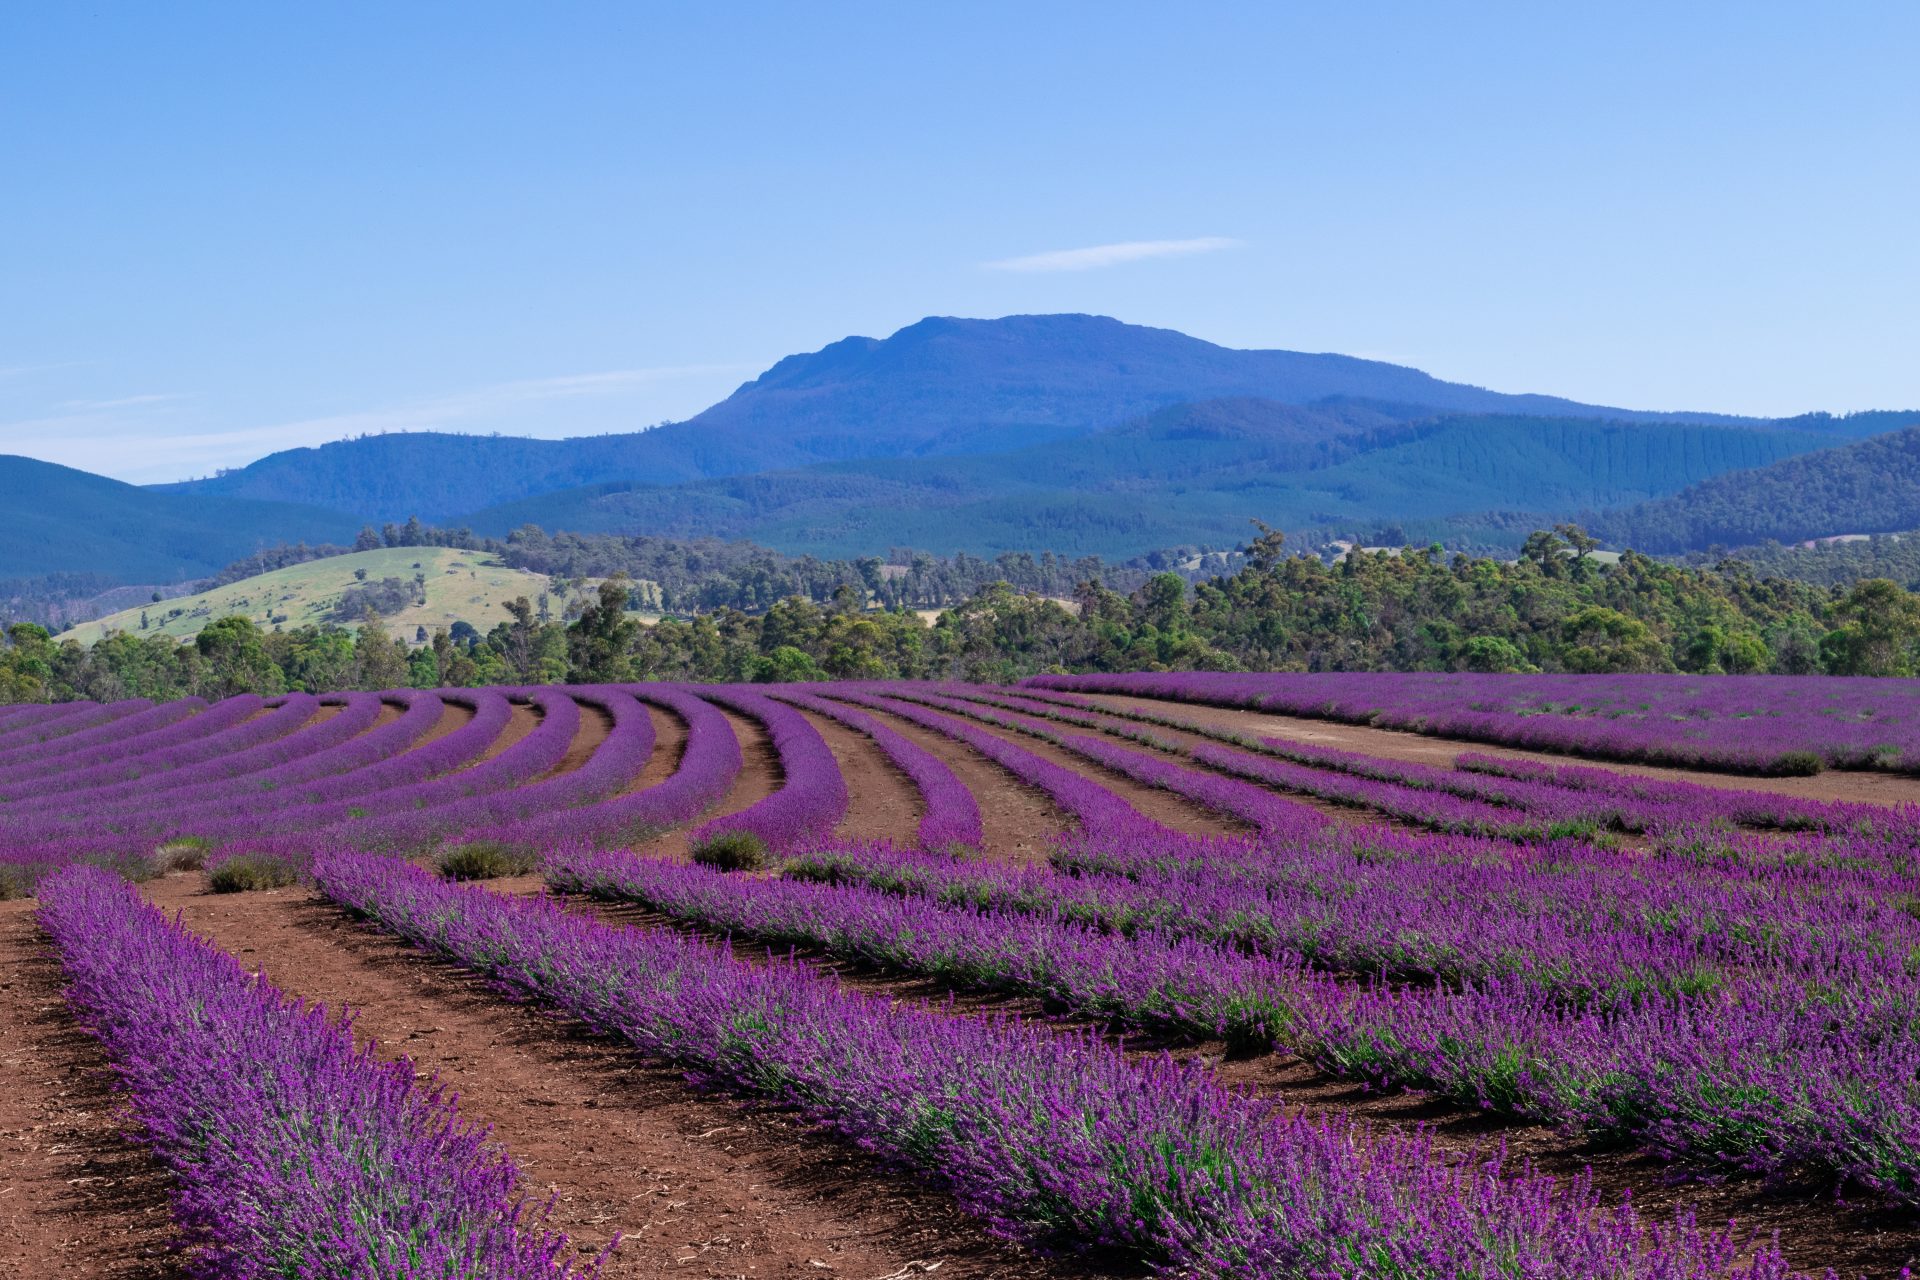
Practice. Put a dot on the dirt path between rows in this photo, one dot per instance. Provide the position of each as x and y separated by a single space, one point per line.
700 1185
1018 821
759 776
669 747
1344 814
1162 806
882 802
594 728
1852 785
522 720
76 1198
453 715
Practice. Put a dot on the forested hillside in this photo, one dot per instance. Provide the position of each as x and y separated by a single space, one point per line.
1209 468
1870 486
1895 556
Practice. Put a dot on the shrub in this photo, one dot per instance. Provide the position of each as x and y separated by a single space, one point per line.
484 860
245 871
187 853
731 851
18 879
1796 764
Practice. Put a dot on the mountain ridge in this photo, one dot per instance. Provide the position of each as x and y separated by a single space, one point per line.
939 387
1073 433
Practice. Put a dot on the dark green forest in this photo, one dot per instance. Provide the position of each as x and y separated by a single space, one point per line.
1557 608
1870 486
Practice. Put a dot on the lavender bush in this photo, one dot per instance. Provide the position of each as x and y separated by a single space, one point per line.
294 1153
1045 1134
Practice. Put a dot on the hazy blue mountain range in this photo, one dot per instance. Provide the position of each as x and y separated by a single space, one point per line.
1077 434
1189 474
60 520
939 387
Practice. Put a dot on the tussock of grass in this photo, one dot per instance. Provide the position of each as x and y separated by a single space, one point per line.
484 860
186 853
732 851
247 871
1796 764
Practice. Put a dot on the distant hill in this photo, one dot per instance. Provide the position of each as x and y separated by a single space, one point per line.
940 387
1195 473
1870 486
458 586
60 520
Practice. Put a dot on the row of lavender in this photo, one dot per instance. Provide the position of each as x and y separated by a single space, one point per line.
372 771
1749 724
1481 794
288 779
1051 1136
294 1152
1758 1014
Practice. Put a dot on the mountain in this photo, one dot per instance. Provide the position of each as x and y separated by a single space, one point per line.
1870 486
1194 473
60 520
1072 433
941 387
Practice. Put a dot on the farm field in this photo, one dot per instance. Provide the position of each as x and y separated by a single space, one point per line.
456 586
1221 975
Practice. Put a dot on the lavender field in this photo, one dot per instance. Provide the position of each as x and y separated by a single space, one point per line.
1753 724
1130 980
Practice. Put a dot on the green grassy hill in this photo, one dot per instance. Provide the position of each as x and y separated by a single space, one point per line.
459 586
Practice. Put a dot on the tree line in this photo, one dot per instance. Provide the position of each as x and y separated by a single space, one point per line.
1559 607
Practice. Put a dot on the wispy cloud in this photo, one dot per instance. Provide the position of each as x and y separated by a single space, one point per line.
144 437
1112 255
119 402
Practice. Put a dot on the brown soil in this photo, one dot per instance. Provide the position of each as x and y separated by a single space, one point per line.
523 720
1852 785
76 1197
1162 806
699 1184
1019 821
452 716
882 802
669 746
1348 815
1815 1232
389 712
759 776
326 712
595 725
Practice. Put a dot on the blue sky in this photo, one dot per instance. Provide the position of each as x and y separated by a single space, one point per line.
231 229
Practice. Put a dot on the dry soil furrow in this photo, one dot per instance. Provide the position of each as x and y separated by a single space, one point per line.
1019 821
669 747
759 776
1856 786
595 726
699 1184
523 720
1162 806
882 802
77 1198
